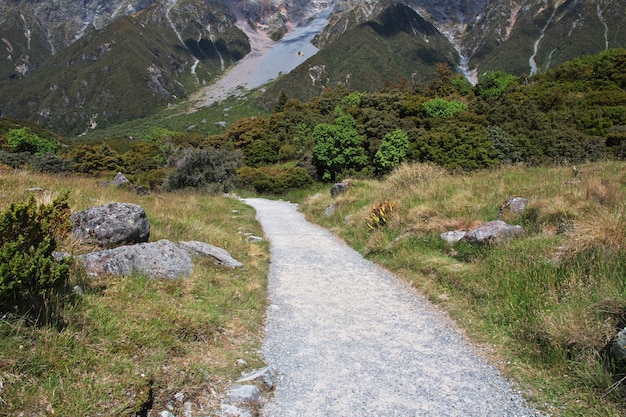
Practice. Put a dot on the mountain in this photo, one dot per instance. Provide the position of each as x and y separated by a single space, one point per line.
76 65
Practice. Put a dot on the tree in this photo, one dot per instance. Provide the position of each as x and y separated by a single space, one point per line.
338 147
392 150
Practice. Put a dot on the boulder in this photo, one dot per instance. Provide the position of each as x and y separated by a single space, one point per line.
111 225
162 259
492 232
338 188
221 256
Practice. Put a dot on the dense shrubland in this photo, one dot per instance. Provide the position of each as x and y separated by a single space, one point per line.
572 114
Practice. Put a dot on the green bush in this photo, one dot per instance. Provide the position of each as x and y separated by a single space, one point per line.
24 140
32 282
392 150
208 169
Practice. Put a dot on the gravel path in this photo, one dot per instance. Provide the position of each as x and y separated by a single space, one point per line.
347 338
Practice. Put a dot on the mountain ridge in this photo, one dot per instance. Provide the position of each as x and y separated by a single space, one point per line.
72 66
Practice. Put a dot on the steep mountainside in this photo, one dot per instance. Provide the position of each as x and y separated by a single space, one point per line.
74 65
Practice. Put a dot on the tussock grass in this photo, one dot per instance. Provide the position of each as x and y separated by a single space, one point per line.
131 344
545 305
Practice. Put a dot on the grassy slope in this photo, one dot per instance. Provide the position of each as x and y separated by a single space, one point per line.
130 340
544 305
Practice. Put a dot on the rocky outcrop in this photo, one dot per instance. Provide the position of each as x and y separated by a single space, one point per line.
492 232
111 225
162 259
221 256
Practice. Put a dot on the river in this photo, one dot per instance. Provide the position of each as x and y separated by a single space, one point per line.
266 60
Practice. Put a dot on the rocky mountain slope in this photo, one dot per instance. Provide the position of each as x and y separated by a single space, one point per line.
76 65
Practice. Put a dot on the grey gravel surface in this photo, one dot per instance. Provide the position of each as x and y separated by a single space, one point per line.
348 338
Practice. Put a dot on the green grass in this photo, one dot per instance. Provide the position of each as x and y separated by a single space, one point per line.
131 343
544 305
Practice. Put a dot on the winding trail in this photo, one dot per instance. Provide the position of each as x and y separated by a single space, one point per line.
347 338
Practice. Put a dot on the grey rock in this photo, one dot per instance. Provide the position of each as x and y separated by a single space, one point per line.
118 180
141 190
339 188
453 236
166 414
492 232
330 210
265 376
617 352
60 256
513 206
244 394
221 256
255 239
162 259
111 225
228 410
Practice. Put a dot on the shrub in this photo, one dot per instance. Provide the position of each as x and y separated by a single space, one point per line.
392 150
443 109
31 280
212 170
380 214
273 180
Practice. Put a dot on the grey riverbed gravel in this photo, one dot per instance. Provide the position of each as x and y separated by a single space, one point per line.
348 338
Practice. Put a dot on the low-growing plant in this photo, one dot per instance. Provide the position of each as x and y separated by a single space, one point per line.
31 279
380 213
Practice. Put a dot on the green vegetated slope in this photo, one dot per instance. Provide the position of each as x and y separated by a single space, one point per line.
550 34
128 70
544 305
397 45
127 346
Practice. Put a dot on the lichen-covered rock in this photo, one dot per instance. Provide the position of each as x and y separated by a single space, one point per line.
244 394
162 259
221 256
111 225
512 207
265 376
339 188
492 232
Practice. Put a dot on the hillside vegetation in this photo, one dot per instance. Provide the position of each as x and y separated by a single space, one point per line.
572 114
544 305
